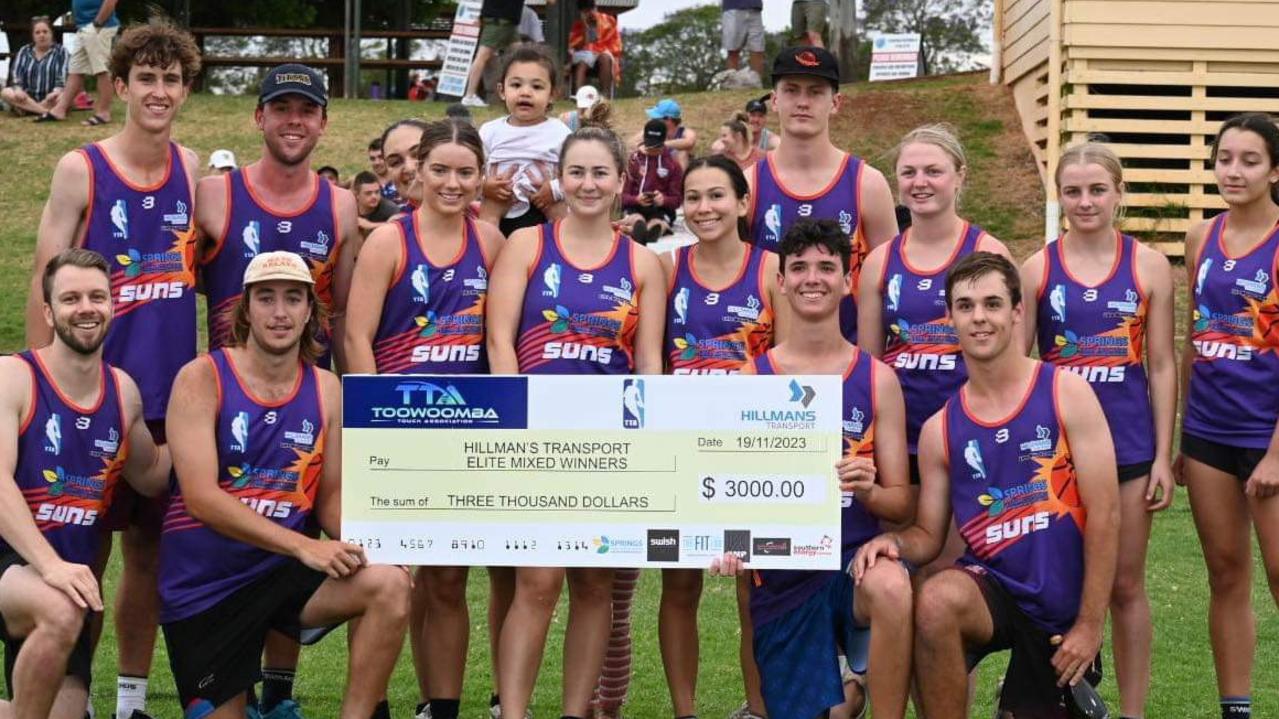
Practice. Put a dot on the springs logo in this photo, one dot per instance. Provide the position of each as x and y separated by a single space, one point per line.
633 404
53 434
687 346
62 482
558 318
427 324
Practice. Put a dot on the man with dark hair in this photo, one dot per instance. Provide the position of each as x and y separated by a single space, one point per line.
70 427
330 174
377 165
256 430
129 197
374 209
96 28
803 620
1022 459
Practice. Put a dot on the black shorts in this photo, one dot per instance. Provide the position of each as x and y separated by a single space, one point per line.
217 654
1237 461
532 218
130 509
1129 472
79 664
1030 684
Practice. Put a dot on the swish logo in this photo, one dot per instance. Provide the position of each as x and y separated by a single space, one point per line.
681 306
633 404
1057 301
972 455
53 434
687 346
551 279
240 432
894 291
120 218
251 236
421 281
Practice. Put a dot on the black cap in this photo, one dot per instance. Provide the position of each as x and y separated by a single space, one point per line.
806 60
654 133
293 79
756 107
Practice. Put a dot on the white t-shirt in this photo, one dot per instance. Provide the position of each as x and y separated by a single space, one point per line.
534 150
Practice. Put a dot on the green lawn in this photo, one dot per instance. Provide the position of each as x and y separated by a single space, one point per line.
1002 195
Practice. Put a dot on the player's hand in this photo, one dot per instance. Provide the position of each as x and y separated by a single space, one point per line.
543 197
1076 652
1179 469
1159 486
334 558
76 581
727 565
1264 482
885 545
856 475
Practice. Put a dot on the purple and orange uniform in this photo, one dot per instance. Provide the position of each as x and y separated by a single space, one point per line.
717 331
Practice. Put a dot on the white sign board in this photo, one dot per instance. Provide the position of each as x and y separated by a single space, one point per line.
894 57
461 49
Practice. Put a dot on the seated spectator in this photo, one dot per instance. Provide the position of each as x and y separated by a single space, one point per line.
373 209
735 142
680 139
594 42
39 72
222 161
757 114
654 187
585 99
330 173
531 27
458 111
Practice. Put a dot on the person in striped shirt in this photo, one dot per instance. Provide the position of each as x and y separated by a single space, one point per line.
39 71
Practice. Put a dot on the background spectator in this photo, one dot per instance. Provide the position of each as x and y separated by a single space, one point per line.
372 207
808 21
96 27
499 29
680 139
585 99
222 161
757 114
330 173
378 165
595 43
39 71
375 90
743 27
531 27
735 142
458 111
654 186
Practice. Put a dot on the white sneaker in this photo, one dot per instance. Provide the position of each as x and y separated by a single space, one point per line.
474 101
744 712
495 712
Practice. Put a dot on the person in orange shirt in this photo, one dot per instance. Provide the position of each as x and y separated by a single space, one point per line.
595 42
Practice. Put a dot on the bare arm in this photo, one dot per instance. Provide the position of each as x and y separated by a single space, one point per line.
781 305
210 215
16 524
342 271
651 286
1032 271
870 303
505 299
1161 359
685 143
879 214
328 496
373 276
60 224
147 466
890 497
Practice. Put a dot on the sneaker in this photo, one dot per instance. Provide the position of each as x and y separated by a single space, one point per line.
287 709
495 712
423 711
473 101
136 714
744 712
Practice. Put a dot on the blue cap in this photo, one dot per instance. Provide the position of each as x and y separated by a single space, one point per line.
666 109
293 79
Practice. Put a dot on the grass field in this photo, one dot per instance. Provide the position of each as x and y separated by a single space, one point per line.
1002 195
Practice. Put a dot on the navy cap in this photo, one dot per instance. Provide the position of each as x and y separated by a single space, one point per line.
654 133
293 79
806 60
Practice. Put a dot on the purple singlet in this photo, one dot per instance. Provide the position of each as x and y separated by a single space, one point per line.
252 227
69 460
775 208
716 332
270 457
1015 497
777 591
920 341
433 317
579 320
1097 331
1234 396
146 234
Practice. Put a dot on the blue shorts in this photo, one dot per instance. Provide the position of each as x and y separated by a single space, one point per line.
798 652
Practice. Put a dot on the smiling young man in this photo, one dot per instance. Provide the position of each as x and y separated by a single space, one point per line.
808 177
278 203
70 427
129 197
1023 456
256 430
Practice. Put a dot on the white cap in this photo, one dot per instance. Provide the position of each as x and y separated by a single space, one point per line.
278 265
222 159
587 96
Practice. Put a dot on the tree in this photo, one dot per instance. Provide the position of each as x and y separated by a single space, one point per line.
951 31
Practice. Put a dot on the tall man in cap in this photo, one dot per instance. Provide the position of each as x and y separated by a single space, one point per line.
279 203
129 197
809 177
70 425
256 430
